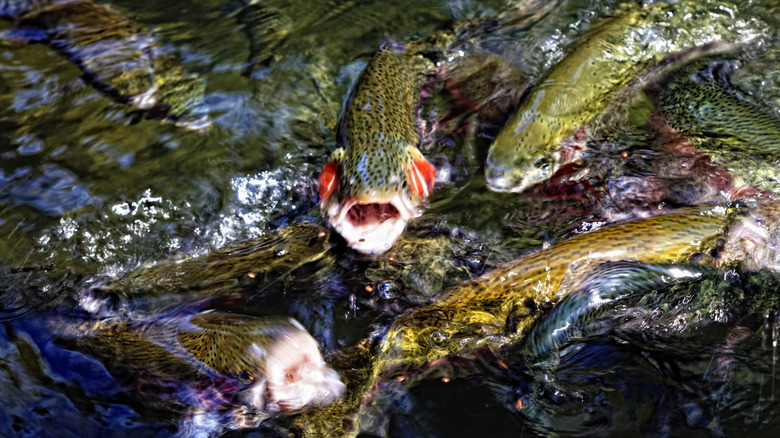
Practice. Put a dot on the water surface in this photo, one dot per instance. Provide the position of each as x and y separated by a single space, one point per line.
92 190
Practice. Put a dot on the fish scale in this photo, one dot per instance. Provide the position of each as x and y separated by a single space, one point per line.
479 313
617 53
702 106
179 347
597 289
380 122
497 309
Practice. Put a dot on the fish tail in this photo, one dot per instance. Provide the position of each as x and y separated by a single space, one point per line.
592 290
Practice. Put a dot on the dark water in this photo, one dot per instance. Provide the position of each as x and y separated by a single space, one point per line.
92 190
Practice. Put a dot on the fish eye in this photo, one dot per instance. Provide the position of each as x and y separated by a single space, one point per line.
543 164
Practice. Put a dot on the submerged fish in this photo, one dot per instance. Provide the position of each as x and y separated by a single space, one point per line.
497 310
273 27
233 272
701 102
272 364
117 54
374 182
615 53
597 288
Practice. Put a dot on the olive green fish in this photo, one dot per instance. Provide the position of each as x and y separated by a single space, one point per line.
701 102
498 309
374 182
248 268
274 361
117 54
615 53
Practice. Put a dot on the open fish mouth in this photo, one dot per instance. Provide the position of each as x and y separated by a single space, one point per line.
371 226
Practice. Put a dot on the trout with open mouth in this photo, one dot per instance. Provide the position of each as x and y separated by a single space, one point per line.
373 184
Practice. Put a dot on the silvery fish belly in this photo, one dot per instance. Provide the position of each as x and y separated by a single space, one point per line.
614 57
117 55
373 184
273 363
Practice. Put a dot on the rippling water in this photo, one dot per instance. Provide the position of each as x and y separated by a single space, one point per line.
92 190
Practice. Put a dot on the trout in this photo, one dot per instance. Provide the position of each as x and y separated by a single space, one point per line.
274 364
116 54
497 310
614 56
701 102
374 182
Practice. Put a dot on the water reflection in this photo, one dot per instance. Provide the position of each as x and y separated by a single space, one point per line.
110 214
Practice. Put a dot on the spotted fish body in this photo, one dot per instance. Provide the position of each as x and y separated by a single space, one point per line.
117 55
497 309
572 93
611 56
597 288
373 183
275 364
230 272
698 104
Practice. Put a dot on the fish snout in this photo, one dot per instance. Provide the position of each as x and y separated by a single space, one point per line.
515 179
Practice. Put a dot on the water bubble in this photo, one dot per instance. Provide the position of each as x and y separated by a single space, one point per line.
387 289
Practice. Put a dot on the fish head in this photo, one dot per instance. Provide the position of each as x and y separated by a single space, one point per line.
292 374
276 361
369 197
522 155
520 172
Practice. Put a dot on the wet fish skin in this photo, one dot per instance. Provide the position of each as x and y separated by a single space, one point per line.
609 60
226 273
273 361
498 308
378 169
119 56
526 150
600 286
379 127
701 102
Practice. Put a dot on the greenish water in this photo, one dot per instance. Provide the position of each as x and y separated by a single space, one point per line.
92 190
